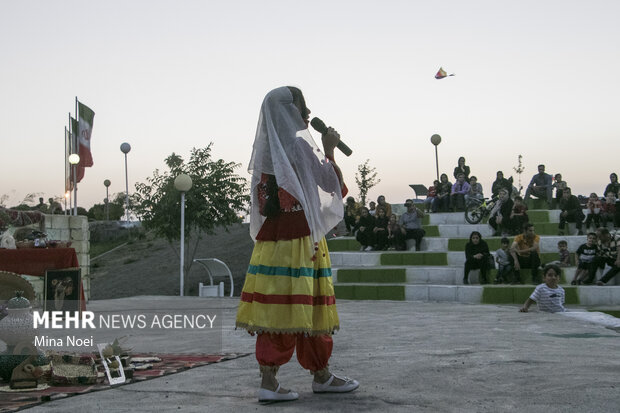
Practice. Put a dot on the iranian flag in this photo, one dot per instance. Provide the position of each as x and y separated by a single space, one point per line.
86 118
75 148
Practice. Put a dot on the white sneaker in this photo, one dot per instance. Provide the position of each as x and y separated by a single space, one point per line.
369 248
265 395
349 385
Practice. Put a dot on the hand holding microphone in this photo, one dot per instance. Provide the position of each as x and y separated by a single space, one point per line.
320 127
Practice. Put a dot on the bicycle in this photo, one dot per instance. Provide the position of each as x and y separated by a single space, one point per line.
476 210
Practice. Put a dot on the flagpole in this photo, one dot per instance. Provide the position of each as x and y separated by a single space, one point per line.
77 150
65 168
72 169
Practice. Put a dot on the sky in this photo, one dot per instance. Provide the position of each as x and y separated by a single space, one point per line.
532 78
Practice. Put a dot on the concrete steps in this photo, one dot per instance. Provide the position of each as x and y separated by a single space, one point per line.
436 272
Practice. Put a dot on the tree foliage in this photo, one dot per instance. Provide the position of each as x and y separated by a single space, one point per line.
365 179
116 209
216 198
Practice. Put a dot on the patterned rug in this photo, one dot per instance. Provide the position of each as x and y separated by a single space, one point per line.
12 401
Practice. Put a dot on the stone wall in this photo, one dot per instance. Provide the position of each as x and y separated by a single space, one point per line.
67 228
74 229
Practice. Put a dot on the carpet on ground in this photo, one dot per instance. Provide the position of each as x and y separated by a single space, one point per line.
13 400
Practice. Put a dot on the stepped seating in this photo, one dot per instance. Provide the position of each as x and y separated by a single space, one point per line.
436 272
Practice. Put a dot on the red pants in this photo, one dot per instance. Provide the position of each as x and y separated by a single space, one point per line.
313 352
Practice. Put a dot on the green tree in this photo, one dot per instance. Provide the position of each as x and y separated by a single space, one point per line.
216 198
365 179
116 208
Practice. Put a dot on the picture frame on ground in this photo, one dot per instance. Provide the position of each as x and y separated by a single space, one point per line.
62 290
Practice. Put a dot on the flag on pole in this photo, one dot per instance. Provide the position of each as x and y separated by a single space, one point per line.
68 174
86 118
75 148
442 73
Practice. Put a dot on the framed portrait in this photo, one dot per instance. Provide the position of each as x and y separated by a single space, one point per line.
62 290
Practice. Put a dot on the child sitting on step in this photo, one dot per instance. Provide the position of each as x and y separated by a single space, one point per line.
585 258
504 262
563 255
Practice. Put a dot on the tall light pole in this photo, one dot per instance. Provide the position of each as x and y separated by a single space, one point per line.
107 199
436 140
74 159
125 148
182 183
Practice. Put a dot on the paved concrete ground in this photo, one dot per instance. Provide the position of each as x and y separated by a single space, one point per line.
408 356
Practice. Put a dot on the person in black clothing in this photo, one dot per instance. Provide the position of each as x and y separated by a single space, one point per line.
501 182
363 230
461 169
476 257
500 214
571 211
381 229
441 203
613 185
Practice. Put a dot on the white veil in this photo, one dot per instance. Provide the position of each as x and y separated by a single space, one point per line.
283 147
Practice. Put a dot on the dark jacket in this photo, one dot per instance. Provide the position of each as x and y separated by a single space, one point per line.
570 204
472 249
465 172
368 222
501 183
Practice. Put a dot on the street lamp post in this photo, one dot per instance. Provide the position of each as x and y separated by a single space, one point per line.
107 199
182 183
74 159
436 140
125 148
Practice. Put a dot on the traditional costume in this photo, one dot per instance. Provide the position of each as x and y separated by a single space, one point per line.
288 295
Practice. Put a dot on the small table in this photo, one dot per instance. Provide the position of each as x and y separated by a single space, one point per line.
35 261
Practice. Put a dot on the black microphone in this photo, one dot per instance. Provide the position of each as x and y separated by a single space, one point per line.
320 127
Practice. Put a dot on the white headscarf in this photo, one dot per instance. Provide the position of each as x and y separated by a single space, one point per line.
283 147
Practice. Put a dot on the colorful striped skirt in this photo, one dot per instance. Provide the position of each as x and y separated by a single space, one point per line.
286 291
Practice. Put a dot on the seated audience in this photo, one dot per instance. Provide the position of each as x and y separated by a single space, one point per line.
549 296
613 185
385 205
559 186
607 254
518 216
563 255
475 191
504 262
525 253
499 183
430 196
476 257
540 186
461 168
586 253
364 230
396 239
372 208
571 211
442 199
381 229
457 194
411 224
608 210
499 218
594 208
351 214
